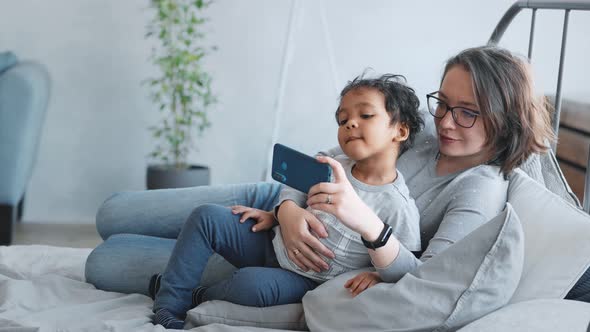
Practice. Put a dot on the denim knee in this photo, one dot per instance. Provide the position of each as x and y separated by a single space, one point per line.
91 269
125 262
207 215
248 288
105 217
98 269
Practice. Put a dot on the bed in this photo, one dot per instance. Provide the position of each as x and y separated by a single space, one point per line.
43 288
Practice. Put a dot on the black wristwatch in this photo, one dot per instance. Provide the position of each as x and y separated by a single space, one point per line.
381 240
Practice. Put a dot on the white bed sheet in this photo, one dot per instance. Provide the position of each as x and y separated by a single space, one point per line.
42 288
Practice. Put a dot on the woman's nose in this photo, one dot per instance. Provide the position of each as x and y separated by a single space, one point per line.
447 120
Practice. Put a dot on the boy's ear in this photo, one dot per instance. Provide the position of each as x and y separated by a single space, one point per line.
403 132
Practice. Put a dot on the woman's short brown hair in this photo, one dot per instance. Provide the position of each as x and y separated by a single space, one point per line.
516 121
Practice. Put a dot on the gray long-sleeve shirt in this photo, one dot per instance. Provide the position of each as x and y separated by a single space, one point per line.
391 202
451 206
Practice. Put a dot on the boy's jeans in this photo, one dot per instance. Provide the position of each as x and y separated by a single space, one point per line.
259 281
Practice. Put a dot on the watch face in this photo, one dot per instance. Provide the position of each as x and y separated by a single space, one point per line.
381 240
388 233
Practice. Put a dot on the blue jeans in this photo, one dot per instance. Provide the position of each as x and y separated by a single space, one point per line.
140 230
259 281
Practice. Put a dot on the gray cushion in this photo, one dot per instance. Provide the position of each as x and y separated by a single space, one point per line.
470 279
557 250
227 328
535 316
289 316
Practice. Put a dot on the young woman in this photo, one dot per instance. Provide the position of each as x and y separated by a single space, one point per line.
488 121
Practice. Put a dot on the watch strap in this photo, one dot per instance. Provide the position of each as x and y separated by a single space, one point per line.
381 240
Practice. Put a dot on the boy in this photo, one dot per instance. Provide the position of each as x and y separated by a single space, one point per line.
377 120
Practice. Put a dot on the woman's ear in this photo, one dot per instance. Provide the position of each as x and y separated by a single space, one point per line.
403 132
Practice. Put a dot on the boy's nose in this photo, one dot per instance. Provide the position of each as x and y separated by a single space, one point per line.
351 124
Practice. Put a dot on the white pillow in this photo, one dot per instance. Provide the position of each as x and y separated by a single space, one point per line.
470 279
557 250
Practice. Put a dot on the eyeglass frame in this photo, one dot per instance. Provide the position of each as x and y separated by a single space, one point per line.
451 109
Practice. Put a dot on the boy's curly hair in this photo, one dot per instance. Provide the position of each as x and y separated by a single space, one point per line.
401 101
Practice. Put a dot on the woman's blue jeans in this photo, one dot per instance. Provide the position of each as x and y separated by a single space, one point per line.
140 230
259 281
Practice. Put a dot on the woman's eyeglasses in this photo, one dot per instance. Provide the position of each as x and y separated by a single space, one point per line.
462 116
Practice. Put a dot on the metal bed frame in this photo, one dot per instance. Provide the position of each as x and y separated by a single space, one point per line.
567 7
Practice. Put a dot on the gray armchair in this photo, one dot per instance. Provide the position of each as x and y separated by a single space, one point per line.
24 94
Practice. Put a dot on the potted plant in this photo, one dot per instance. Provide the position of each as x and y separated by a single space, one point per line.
182 92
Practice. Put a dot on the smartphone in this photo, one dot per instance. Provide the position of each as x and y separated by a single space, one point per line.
298 170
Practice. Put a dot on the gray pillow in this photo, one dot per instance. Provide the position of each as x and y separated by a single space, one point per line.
557 250
289 316
537 316
470 279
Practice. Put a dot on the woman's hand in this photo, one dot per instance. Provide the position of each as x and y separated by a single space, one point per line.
340 199
361 282
264 219
302 246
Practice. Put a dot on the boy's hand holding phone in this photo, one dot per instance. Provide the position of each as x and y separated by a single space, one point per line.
264 219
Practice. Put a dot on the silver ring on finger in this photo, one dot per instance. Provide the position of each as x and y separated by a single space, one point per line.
296 252
329 199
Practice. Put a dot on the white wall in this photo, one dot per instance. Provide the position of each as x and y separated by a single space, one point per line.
95 140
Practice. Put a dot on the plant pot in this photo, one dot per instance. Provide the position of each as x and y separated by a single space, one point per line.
164 176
